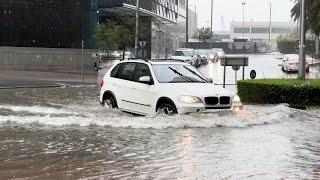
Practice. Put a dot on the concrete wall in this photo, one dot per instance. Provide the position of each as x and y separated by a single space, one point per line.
46 59
231 47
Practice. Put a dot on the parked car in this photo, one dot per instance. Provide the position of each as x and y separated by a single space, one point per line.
219 52
204 54
171 87
187 55
290 63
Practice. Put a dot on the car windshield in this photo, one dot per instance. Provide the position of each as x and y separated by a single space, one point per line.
177 73
183 53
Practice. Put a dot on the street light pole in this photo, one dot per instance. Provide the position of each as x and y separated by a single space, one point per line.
302 54
187 22
137 28
211 23
270 30
243 31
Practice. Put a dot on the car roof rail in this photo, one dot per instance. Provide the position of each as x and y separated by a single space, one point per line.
135 59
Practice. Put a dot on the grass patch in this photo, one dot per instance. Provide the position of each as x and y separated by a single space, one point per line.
275 91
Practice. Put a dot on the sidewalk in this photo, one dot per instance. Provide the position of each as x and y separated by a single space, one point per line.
33 79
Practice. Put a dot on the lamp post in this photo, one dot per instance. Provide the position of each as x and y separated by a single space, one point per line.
211 23
137 28
187 22
302 54
270 29
243 5
98 13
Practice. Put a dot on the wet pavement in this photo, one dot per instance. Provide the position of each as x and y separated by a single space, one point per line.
63 133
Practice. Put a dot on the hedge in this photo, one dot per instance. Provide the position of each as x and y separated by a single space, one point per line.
275 91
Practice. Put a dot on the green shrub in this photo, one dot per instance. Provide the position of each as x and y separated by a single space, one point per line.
276 91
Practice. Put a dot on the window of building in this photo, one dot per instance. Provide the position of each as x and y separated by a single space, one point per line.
260 30
241 30
281 30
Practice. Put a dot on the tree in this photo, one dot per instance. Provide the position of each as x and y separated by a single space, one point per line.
118 33
312 17
205 33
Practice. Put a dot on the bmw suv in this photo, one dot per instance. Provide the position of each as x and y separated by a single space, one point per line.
170 87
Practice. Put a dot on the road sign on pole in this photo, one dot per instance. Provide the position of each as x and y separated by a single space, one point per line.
235 61
142 43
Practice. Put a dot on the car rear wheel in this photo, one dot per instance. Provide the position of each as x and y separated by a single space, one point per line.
167 109
110 103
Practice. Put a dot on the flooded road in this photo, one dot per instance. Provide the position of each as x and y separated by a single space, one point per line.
62 133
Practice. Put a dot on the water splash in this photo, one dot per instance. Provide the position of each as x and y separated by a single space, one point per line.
98 116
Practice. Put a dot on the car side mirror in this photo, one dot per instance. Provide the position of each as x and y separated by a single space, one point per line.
210 80
145 80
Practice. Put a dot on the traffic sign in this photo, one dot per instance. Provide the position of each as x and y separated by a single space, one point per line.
142 43
253 74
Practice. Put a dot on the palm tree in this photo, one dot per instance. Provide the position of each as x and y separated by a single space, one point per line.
312 17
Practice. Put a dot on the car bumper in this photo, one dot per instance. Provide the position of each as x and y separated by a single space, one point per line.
201 108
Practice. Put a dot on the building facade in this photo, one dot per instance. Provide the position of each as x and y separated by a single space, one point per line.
65 23
259 31
43 23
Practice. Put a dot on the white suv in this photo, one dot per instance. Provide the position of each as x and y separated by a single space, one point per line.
147 87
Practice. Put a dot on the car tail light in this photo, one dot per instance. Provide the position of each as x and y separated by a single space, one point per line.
101 83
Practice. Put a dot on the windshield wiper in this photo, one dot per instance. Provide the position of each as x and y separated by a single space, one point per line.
204 80
183 76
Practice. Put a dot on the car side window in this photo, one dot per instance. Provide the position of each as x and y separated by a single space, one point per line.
142 70
126 71
115 70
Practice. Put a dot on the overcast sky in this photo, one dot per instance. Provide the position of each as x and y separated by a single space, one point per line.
257 10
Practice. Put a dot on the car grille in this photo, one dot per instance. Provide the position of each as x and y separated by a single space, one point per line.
224 100
211 100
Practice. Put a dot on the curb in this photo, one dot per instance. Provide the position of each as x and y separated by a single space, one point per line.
29 87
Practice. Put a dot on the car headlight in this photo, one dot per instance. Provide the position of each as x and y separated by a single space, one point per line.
236 104
211 56
189 99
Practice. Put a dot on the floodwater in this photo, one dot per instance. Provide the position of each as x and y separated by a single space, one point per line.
63 133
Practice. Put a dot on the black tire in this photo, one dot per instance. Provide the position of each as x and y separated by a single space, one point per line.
110 102
167 109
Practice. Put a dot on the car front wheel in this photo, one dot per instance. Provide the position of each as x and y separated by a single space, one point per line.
167 109
109 102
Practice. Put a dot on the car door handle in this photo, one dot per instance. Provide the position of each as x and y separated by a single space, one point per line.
133 88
